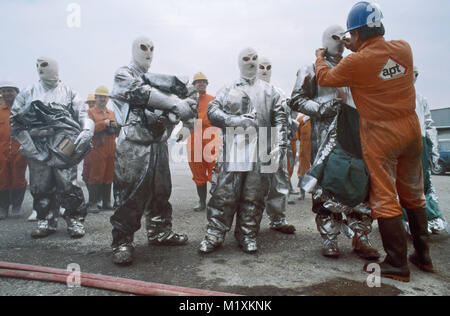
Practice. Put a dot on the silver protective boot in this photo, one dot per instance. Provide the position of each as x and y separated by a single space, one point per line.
75 228
210 243
45 228
361 225
329 229
123 254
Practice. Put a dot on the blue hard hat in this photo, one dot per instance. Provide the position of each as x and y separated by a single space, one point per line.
364 13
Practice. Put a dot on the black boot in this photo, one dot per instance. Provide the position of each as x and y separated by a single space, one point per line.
393 236
106 197
94 197
17 197
4 204
418 224
202 192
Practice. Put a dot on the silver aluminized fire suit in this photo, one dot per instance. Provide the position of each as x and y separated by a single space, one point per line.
142 180
51 183
321 105
240 187
276 200
430 156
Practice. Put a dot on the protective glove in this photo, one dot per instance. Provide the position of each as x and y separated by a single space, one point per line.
329 108
241 121
83 140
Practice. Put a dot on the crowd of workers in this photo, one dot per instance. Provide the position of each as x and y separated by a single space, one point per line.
367 144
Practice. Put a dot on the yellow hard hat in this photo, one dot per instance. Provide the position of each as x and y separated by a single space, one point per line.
102 90
90 97
199 76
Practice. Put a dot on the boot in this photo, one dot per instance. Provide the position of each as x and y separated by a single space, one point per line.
329 230
123 254
17 197
168 239
282 226
106 197
94 197
75 228
301 196
418 224
393 236
246 243
209 244
45 228
202 192
361 226
4 204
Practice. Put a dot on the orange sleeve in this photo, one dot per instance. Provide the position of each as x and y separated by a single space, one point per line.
340 76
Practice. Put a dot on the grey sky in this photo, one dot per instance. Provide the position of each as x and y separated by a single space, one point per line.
206 35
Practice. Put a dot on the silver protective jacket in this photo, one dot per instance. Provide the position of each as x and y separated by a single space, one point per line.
322 104
142 180
319 103
51 187
42 116
264 102
427 124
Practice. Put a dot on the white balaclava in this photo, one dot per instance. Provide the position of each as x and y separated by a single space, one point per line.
248 63
47 69
332 40
416 73
265 69
143 52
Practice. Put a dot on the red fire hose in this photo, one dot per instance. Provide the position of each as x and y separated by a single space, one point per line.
22 271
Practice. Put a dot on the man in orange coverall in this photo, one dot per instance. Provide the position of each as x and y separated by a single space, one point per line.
202 161
101 157
12 164
380 75
85 175
304 153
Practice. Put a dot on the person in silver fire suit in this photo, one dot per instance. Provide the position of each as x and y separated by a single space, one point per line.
321 105
50 122
276 199
142 180
250 112
437 224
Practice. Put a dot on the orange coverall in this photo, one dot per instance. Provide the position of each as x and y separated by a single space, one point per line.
12 164
101 157
200 162
304 136
381 79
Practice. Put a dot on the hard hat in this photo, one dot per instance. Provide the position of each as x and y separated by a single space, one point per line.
364 13
90 97
9 84
102 90
199 76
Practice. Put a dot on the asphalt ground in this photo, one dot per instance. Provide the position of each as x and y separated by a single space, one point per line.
284 265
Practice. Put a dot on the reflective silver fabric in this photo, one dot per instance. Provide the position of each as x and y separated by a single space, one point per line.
276 199
427 124
321 104
243 192
51 186
142 180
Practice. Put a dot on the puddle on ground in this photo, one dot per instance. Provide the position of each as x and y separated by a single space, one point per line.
334 287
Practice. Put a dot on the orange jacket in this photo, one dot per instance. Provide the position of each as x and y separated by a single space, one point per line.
203 102
8 146
102 141
380 76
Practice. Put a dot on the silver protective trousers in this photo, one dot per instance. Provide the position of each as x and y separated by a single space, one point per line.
52 187
240 193
142 185
276 199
